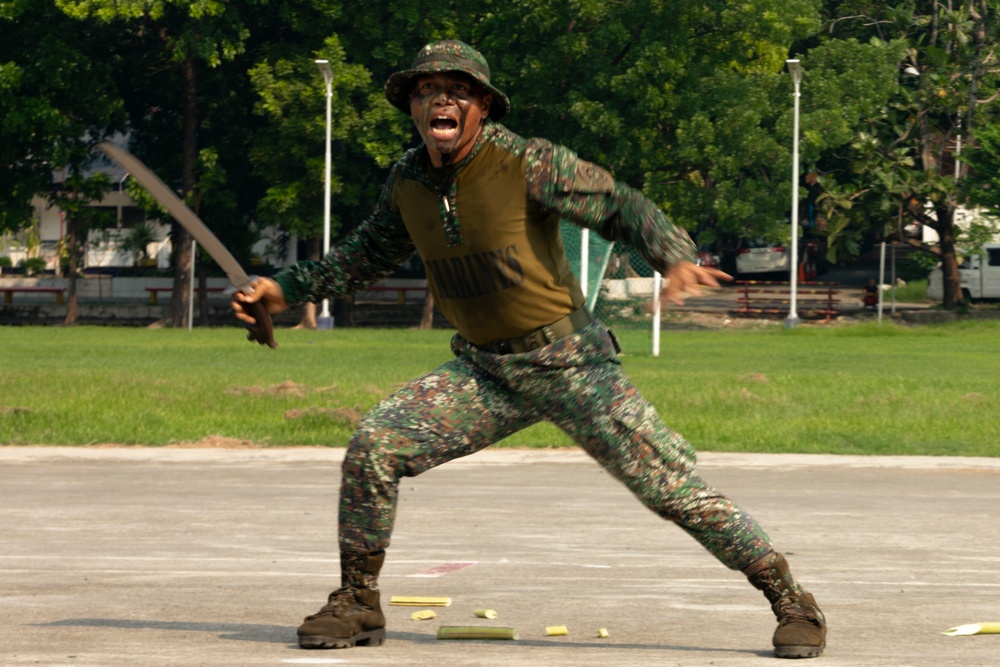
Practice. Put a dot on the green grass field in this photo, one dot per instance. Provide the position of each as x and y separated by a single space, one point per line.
858 389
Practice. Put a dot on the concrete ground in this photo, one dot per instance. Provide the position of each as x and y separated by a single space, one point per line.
119 556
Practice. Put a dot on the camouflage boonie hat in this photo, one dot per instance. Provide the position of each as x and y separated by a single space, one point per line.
449 55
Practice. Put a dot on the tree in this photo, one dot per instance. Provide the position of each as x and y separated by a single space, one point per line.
56 99
289 150
75 196
173 42
900 168
367 133
981 184
689 102
685 101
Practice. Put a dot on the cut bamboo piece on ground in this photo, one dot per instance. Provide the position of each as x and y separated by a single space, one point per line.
556 630
974 629
475 632
486 613
416 601
603 633
424 615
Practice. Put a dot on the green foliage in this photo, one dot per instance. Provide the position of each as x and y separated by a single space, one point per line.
915 289
56 97
916 266
982 182
289 151
859 77
678 99
900 166
137 240
33 265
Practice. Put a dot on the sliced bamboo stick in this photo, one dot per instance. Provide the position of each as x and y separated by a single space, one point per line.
974 629
415 601
476 632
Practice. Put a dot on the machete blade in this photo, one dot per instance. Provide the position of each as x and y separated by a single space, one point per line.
168 199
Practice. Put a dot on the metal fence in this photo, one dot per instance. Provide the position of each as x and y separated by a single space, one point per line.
621 288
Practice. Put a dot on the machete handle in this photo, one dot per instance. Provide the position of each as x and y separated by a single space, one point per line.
263 330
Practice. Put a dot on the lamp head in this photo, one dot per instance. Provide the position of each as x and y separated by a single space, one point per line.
324 68
795 69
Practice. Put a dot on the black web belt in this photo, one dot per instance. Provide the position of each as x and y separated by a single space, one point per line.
542 336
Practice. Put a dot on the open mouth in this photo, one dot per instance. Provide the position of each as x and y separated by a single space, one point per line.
443 127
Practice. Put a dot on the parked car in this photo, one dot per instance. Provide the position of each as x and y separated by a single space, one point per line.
979 279
708 258
757 256
760 256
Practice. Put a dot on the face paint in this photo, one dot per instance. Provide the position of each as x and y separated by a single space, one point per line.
448 109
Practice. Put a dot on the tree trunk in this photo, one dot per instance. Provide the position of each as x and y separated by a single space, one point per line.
950 281
72 305
180 302
343 312
427 320
202 292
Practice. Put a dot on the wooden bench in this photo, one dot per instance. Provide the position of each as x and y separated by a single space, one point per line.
756 298
8 292
400 291
153 291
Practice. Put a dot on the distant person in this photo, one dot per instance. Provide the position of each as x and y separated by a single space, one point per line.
870 295
482 206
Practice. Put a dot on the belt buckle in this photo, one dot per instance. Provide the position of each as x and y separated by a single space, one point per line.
535 340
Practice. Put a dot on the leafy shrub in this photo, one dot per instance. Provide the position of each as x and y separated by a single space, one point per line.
916 266
33 265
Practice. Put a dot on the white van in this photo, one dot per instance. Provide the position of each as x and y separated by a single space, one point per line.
980 279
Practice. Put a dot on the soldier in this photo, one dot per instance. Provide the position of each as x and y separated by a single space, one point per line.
482 206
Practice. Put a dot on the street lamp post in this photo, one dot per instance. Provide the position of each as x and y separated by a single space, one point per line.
325 320
795 69
912 71
958 148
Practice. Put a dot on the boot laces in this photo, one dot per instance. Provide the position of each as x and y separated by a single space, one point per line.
790 610
339 603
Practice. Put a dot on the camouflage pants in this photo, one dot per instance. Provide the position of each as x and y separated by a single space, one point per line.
479 398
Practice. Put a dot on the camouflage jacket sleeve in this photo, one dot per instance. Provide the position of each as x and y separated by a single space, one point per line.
369 253
588 196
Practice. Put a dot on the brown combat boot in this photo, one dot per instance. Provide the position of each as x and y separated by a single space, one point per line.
801 631
352 615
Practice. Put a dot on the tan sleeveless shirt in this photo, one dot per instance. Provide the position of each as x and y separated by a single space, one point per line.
508 275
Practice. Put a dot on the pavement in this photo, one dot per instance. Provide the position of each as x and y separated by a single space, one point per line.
185 556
